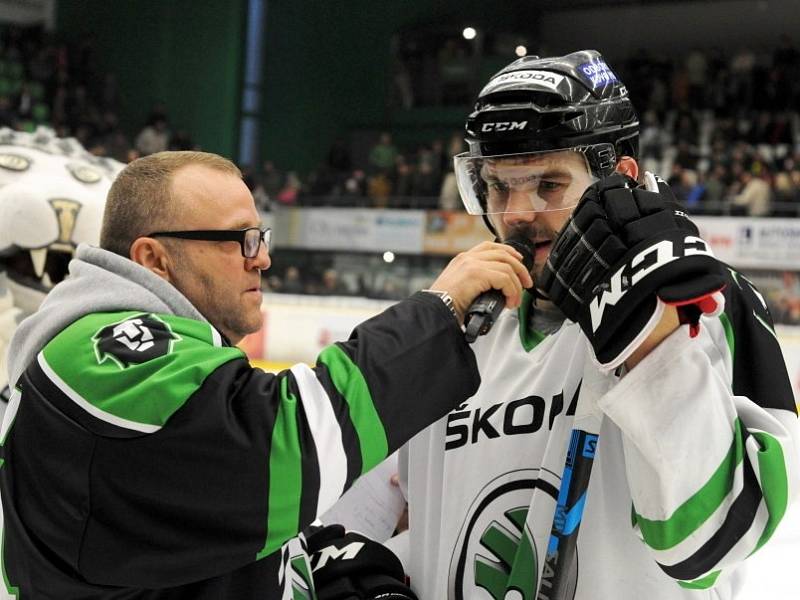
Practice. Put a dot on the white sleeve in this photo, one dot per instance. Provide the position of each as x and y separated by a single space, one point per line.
711 473
399 544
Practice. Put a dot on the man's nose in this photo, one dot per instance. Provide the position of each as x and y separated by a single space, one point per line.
520 208
261 260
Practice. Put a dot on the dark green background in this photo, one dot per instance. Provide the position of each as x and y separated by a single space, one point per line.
326 66
183 53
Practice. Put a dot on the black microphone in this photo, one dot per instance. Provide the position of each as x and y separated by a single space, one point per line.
483 312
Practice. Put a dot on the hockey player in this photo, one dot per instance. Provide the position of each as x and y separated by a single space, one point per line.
52 193
143 457
631 316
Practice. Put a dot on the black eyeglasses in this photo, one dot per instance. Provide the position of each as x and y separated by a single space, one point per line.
249 239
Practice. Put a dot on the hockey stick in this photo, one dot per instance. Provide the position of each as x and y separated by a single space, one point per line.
561 547
570 503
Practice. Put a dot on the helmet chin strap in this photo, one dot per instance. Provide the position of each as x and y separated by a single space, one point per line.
488 222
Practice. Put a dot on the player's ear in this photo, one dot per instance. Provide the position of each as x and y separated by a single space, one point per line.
628 166
152 255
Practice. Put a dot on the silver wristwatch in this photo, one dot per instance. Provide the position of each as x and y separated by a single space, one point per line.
447 299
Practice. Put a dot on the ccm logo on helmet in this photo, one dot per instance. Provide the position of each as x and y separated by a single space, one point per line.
504 126
648 260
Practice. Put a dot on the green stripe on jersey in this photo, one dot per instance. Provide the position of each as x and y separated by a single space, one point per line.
285 475
701 584
729 334
146 392
12 590
687 518
351 385
774 483
529 337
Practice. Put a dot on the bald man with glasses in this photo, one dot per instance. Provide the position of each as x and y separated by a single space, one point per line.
143 457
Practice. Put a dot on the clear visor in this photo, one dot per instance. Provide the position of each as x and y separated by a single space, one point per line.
518 183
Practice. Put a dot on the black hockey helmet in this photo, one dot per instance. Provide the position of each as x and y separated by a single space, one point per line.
540 105
537 104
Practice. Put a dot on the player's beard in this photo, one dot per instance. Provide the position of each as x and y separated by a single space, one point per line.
213 297
537 233
224 309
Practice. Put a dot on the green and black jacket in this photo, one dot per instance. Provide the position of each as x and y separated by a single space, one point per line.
143 457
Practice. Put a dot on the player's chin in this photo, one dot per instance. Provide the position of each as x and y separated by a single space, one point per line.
250 324
536 272
255 320
249 315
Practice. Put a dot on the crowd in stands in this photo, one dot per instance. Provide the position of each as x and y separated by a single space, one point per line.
44 81
363 281
328 284
388 179
723 129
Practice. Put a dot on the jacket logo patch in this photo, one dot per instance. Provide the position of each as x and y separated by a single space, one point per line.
134 341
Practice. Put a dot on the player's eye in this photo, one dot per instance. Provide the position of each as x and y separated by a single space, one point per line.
551 186
497 186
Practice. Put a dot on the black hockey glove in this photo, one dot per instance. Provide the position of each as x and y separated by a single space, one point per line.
349 566
625 253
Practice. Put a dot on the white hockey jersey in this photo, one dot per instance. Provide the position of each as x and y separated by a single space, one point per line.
695 466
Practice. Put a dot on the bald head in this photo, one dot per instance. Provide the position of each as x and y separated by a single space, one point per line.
141 200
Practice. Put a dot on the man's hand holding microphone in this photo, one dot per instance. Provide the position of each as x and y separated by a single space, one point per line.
484 280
